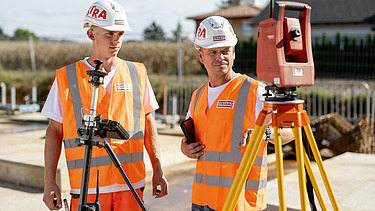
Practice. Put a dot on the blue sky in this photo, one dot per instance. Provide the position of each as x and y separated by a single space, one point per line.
63 19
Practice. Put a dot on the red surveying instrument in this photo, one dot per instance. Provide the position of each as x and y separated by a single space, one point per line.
284 58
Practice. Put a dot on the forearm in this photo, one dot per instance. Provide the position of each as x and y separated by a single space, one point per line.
52 151
152 144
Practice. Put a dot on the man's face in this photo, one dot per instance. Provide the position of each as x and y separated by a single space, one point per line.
106 43
217 60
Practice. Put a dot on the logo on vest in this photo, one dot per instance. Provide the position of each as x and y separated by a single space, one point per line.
123 87
225 104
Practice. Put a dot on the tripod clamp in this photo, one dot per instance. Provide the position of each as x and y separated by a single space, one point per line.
280 94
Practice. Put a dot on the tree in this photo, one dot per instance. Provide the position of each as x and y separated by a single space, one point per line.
154 32
178 32
23 34
2 35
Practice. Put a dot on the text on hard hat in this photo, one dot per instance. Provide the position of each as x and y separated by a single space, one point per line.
97 13
201 33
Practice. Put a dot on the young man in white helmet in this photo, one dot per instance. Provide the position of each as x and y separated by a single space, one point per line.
224 112
126 97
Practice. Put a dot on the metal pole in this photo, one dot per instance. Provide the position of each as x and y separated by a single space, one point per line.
32 54
180 56
13 98
88 151
34 94
3 93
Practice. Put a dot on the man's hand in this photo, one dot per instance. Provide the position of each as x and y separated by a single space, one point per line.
159 186
193 150
245 138
52 196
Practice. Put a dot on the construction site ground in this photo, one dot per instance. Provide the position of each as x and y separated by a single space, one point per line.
21 172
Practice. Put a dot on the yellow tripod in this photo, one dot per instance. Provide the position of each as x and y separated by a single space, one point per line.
283 114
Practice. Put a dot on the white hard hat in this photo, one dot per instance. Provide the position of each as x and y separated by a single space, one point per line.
213 32
107 14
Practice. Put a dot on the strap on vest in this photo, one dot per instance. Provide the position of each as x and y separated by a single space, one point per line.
74 93
136 94
196 98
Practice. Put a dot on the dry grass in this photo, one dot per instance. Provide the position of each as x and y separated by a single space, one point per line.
159 57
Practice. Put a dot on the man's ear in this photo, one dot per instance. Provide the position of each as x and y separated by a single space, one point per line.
200 54
91 34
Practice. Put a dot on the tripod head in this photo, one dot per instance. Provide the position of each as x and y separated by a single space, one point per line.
103 128
96 77
280 93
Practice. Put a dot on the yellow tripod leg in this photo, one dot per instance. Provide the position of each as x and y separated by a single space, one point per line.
319 162
279 168
313 182
300 166
245 167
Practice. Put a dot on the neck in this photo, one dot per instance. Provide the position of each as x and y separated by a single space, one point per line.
108 63
218 80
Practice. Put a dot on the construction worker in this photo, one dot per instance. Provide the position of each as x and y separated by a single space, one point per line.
125 97
224 112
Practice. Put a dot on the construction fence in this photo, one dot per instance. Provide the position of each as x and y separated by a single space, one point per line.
347 108
342 58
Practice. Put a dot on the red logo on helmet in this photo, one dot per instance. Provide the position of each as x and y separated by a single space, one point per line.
201 33
95 12
231 30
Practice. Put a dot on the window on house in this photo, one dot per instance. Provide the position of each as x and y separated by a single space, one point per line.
246 29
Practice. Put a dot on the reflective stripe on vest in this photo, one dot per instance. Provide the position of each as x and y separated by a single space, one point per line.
226 182
72 143
136 94
196 98
106 160
235 155
77 106
74 93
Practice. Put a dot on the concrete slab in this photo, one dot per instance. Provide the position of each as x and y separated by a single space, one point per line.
352 179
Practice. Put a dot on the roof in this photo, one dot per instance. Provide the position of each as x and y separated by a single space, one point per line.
332 12
242 11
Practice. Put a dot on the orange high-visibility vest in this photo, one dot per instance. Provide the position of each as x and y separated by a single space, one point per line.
220 129
124 105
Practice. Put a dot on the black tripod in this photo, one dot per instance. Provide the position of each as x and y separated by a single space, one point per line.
96 126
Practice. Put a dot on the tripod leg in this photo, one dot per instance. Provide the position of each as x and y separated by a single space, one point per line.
319 162
313 182
301 170
85 177
117 163
245 167
279 168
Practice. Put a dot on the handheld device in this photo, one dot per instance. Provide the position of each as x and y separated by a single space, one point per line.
187 127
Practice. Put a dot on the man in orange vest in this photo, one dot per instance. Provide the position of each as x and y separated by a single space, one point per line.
224 112
126 97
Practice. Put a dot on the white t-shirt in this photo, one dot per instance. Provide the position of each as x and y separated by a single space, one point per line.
52 108
214 92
